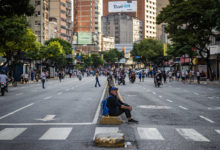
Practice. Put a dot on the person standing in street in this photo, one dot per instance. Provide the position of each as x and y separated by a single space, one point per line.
43 79
60 76
164 77
198 76
97 79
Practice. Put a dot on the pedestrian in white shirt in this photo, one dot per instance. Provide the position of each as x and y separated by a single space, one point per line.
43 79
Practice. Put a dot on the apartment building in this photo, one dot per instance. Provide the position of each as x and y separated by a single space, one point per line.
40 20
87 25
161 35
126 29
61 10
144 10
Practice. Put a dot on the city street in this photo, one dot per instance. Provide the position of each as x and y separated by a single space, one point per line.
63 116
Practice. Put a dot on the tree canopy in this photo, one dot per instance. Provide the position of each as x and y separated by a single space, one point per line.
113 56
16 8
148 50
191 23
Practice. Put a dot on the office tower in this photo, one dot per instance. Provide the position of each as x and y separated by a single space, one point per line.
125 29
87 25
161 35
61 10
144 10
40 20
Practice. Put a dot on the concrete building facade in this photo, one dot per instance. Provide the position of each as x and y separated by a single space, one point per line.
52 32
161 35
87 20
40 20
108 43
145 11
124 28
61 10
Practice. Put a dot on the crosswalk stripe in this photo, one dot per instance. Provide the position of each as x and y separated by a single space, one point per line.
218 131
149 134
105 130
56 134
11 133
191 134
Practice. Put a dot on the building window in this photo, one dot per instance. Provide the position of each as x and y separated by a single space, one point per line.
63 12
63 4
37 3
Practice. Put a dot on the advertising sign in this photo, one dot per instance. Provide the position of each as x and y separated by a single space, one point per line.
84 38
122 6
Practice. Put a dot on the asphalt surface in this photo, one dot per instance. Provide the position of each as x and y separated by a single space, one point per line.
175 116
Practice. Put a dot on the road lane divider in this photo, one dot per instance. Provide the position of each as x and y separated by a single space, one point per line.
207 119
169 100
183 108
149 134
19 94
16 111
49 97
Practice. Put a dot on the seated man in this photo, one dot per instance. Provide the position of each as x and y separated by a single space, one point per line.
116 107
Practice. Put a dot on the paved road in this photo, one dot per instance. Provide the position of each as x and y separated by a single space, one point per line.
174 117
62 117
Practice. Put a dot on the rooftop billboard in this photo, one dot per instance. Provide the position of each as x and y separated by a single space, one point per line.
122 6
84 38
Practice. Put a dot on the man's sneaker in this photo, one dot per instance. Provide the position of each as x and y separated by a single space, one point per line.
132 121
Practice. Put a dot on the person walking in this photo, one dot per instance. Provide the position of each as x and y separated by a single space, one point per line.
198 76
143 75
60 76
43 79
164 77
139 75
97 79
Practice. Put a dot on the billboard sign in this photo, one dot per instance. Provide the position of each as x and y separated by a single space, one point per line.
84 38
122 6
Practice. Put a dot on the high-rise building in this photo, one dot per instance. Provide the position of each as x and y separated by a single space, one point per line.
87 25
61 10
40 20
126 29
145 10
161 35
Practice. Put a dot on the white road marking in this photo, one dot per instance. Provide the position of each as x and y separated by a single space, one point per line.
210 97
49 97
59 93
213 108
105 130
67 90
207 119
153 107
47 118
95 120
149 134
11 133
195 93
160 96
19 94
16 111
56 134
169 100
131 95
46 124
191 134
183 107
154 93
218 131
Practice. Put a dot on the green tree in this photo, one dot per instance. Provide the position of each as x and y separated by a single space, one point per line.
87 60
96 60
53 52
67 47
11 8
113 56
191 23
149 50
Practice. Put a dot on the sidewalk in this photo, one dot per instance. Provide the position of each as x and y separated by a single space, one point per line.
31 82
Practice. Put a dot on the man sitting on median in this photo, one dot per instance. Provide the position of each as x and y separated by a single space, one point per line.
116 107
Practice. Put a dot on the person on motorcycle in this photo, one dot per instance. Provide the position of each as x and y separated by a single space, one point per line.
4 79
157 78
132 77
